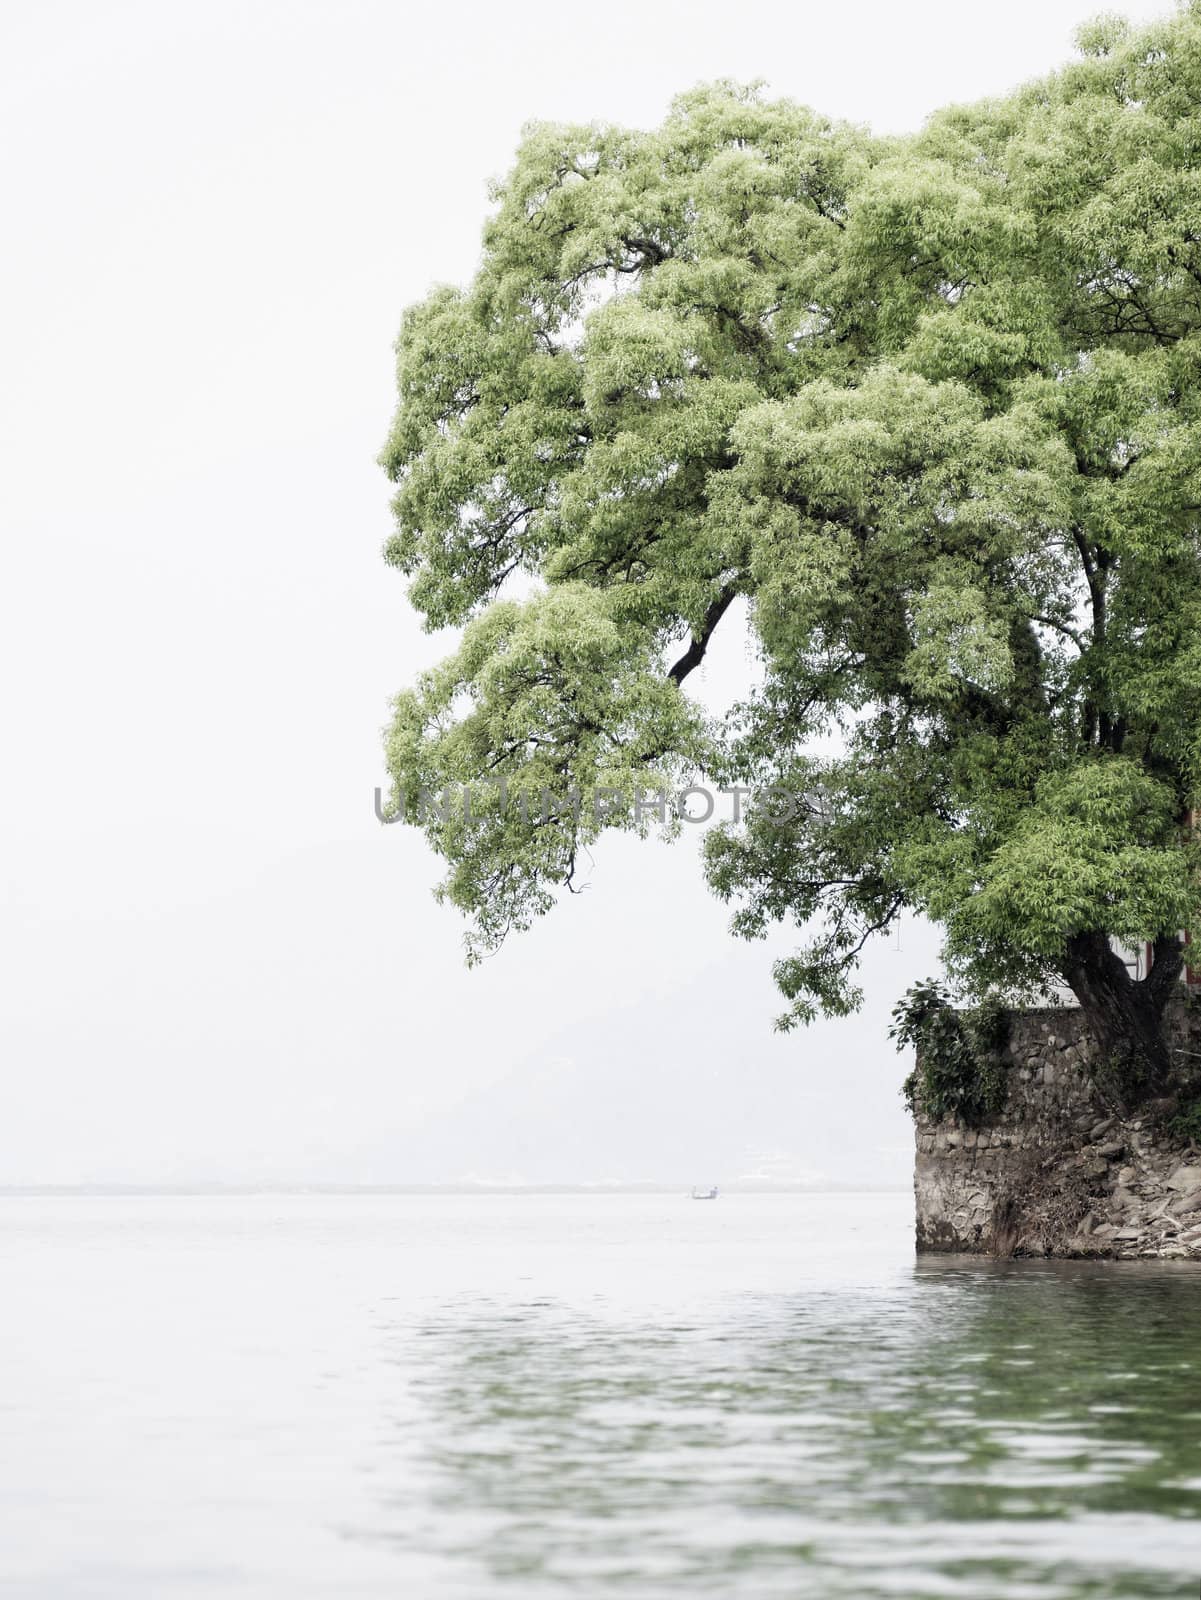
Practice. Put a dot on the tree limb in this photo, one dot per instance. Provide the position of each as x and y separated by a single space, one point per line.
695 652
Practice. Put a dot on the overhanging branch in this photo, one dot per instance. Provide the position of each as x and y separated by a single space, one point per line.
699 643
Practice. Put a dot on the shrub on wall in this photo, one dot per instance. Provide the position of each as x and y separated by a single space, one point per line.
960 1068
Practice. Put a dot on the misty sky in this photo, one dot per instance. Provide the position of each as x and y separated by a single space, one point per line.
216 964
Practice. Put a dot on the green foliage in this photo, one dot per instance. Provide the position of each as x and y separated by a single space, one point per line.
1186 1123
960 1068
1095 835
926 413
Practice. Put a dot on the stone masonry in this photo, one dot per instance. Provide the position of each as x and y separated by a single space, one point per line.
1057 1172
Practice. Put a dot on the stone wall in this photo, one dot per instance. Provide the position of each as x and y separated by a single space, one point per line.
1057 1171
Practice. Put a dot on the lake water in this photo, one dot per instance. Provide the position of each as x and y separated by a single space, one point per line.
581 1396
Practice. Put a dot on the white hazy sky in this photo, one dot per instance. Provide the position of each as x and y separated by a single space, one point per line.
215 963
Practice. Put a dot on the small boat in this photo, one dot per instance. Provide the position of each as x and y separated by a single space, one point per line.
705 1194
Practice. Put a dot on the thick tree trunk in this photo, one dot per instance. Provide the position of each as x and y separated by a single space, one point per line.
1126 1016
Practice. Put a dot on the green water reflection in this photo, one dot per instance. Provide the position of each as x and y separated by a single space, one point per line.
975 1429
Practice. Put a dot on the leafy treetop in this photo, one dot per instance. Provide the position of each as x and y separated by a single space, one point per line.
928 409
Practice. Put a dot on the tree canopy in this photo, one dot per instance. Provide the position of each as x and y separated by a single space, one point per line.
928 407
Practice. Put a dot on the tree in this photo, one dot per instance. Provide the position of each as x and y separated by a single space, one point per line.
925 411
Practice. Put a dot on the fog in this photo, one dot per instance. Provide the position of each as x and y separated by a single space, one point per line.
218 967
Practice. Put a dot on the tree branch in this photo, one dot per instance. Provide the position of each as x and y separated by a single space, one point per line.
695 652
1061 627
1167 958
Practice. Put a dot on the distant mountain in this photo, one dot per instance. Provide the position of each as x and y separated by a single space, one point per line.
722 1102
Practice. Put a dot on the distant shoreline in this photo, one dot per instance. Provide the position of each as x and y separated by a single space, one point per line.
300 1191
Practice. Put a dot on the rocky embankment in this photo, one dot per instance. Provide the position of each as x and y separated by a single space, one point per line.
1057 1172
